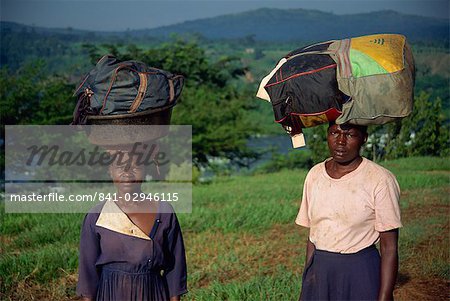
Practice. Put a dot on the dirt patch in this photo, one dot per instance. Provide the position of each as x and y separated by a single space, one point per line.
426 203
61 289
433 289
6 242
426 211
238 257
287 247
417 280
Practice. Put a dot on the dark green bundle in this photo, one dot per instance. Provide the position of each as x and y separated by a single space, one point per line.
117 88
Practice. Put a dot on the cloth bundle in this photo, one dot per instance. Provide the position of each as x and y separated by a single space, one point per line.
364 80
115 88
124 102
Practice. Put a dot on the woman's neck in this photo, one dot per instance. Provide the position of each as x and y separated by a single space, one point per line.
337 170
133 201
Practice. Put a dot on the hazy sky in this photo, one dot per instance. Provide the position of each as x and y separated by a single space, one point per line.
132 14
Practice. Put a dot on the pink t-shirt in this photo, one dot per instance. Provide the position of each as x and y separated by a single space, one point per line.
346 215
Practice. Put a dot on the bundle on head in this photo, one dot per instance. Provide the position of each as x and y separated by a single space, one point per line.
365 80
125 92
117 97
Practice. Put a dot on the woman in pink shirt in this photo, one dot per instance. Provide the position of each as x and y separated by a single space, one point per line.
349 204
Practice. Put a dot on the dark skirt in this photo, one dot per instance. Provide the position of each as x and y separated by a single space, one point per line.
335 276
122 282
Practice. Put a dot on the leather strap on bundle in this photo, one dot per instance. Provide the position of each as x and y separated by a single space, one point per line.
83 109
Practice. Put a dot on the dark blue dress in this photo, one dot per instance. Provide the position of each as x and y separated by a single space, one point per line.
336 276
119 262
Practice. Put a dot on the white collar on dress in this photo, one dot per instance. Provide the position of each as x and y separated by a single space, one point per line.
113 218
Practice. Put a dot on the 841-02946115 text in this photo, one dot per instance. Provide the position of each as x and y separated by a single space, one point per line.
138 197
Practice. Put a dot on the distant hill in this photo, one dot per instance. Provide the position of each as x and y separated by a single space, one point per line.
270 24
22 42
13 27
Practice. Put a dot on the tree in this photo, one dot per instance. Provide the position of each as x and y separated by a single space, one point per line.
423 133
29 96
92 51
316 141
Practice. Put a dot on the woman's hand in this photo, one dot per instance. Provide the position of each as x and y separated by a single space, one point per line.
175 298
389 264
86 299
309 252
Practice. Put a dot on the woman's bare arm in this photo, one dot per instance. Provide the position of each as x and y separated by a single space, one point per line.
309 252
389 264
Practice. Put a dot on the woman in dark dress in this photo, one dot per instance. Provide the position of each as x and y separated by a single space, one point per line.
131 250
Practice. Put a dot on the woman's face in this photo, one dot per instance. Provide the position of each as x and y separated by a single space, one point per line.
344 142
126 173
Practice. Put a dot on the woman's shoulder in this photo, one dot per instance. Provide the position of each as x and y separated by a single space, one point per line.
97 208
377 170
166 207
168 215
318 168
167 210
93 214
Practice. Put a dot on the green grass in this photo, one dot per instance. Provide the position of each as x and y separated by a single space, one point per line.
241 241
405 165
285 286
245 203
420 172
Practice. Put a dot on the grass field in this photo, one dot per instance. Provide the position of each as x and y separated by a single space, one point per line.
241 241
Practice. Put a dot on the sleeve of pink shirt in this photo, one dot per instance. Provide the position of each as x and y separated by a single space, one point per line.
387 209
302 216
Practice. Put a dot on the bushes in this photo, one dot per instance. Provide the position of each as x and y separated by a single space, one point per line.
295 159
